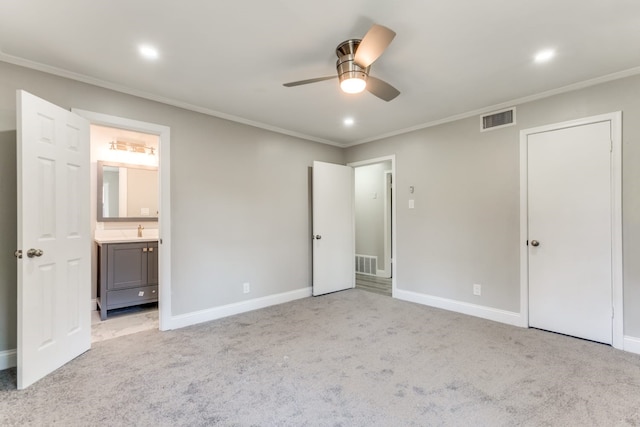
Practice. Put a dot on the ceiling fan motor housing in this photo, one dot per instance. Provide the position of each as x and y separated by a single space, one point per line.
347 68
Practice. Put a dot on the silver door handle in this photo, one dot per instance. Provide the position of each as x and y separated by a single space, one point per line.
34 252
535 243
317 237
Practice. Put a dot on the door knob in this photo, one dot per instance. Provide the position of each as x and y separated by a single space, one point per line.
317 237
34 252
535 243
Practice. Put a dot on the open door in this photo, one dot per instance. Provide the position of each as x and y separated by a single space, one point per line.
54 252
333 228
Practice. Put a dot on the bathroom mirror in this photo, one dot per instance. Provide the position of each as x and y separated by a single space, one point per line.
127 192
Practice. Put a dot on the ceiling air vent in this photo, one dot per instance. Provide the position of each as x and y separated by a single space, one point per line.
498 119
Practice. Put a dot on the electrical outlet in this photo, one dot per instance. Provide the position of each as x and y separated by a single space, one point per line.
477 289
246 287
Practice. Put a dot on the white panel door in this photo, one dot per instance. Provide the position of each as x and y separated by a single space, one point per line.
570 231
333 228
54 283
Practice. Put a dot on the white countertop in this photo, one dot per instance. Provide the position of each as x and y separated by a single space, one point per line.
125 236
102 240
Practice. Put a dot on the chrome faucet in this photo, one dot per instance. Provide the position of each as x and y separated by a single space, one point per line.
140 228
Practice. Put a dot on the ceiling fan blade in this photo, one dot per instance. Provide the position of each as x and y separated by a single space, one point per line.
381 89
373 44
306 82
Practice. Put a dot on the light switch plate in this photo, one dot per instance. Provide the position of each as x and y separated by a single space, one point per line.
412 204
477 289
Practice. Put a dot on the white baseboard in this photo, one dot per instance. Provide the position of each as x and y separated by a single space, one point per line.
207 315
497 315
631 344
7 359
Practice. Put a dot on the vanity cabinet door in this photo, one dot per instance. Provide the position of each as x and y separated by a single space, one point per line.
152 263
127 265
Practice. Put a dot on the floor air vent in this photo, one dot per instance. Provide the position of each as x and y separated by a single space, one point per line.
498 119
367 264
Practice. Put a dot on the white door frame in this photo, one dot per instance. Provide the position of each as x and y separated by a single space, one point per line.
394 259
164 219
388 194
616 227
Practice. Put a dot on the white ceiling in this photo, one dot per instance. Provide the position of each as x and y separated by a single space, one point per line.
450 58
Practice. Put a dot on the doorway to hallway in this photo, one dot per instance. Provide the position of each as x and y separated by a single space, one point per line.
374 229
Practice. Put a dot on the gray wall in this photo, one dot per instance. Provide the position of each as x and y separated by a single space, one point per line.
8 239
465 225
240 197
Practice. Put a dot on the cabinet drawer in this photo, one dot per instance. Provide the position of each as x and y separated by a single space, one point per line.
126 297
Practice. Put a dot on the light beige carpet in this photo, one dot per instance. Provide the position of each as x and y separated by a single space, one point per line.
352 358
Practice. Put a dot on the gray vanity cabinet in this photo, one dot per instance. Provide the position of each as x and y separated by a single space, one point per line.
152 263
127 275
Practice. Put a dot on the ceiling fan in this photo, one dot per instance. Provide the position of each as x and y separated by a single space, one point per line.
355 57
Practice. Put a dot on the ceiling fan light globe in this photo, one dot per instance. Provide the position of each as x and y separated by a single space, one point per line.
353 85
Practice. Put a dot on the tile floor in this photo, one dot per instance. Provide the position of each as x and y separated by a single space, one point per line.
124 321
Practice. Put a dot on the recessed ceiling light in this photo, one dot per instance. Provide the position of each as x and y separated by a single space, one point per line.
544 55
148 52
348 121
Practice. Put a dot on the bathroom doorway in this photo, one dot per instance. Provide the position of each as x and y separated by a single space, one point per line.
137 149
124 206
